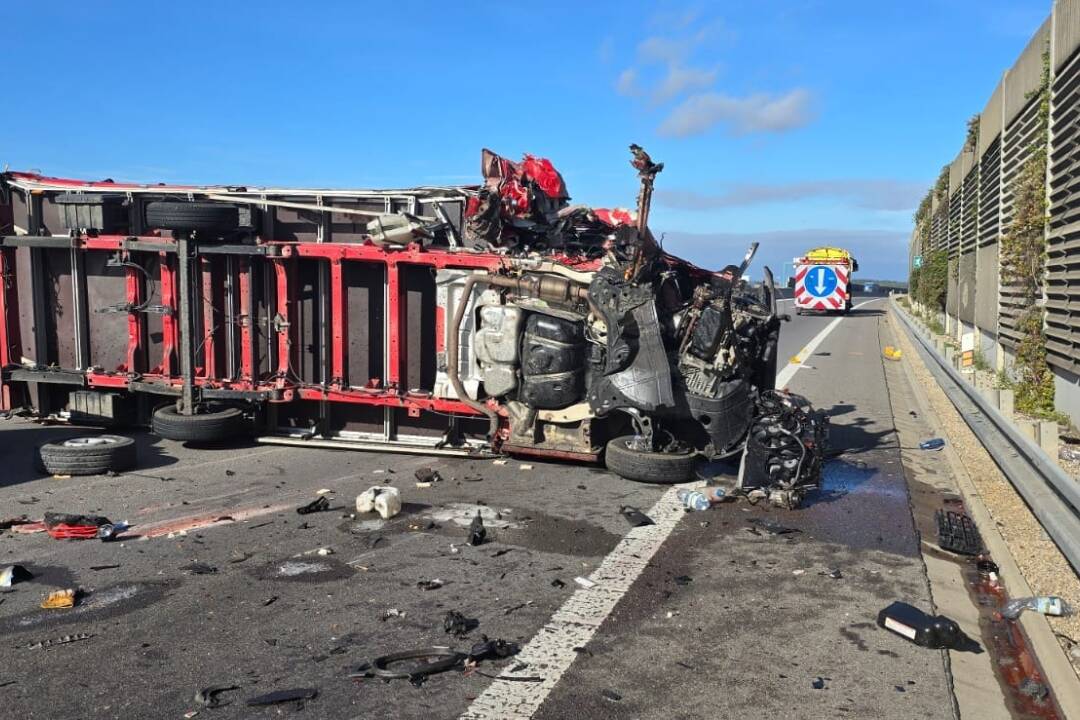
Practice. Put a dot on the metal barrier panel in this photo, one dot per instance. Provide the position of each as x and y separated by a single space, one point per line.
1063 236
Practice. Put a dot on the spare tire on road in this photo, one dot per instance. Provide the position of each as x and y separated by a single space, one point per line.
187 216
661 468
92 455
212 424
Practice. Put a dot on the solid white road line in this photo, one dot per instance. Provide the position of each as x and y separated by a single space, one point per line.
550 653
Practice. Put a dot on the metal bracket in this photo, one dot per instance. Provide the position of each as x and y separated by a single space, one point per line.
129 308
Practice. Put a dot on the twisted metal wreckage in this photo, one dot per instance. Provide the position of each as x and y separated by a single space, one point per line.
450 320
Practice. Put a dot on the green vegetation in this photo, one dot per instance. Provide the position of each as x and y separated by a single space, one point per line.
929 283
1023 256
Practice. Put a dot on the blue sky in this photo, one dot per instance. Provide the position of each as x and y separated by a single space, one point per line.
793 123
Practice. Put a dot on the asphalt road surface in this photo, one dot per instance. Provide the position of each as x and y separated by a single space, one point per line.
724 620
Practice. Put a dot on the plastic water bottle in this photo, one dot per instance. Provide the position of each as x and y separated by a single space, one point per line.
694 500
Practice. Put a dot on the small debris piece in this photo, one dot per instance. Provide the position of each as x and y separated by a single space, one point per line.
772 527
382 499
495 649
932 444
103 567
499 462
525 467
1045 604
62 640
320 504
892 353
835 573
14 574
229 473
1072 454
324 551
798 572
557 583
458 625
433 584
611 695
239 556
391 613
208 697
58 600
199 569
1035 690
818 683
920 628
283 696
957 533
270 600
582 651
683 580
585 582
500 553
12 521
427 475
635 517
477 531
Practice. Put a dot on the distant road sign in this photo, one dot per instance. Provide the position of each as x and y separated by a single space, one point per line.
820 281
917 262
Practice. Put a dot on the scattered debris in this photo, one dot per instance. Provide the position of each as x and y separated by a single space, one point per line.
208 697
477 531
103 567
384 500
1065 452
988 570
433 584
270 600
1045 604
525 467
683 580
14 574
283 696
239 556
834 573
932 444
892 353
798 572
1033 689
64 526
582 651
427 475
501 461
500 553
818 683
926 630
197 568
488 649
635 517
957 533
585 582
62 640
772 527
59 600
458 625
695 499
10 522
320 504
391 613
435 660
519 606
557 583
611 695
324 551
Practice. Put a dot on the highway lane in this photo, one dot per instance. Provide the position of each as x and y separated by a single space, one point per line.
720 622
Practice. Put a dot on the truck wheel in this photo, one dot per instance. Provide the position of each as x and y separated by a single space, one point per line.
215 218
92 455
213 424
661 468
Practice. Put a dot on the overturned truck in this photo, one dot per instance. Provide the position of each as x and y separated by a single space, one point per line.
495 318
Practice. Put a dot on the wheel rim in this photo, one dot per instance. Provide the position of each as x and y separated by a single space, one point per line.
89 442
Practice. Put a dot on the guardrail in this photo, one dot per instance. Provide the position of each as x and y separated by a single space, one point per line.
1052 495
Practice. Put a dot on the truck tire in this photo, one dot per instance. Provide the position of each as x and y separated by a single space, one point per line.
90 455
215 423
209 217
660 468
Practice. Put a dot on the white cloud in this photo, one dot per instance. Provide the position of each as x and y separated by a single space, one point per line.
679 80
757 113
870 194
627 84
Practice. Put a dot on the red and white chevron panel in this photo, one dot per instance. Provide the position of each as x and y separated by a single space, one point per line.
834 301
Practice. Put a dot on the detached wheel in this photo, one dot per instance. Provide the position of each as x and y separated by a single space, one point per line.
215 218
214 423
661 468
88 455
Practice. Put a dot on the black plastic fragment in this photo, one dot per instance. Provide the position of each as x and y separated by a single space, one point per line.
283 696
321 504
957 533
635 517
458 625
477 531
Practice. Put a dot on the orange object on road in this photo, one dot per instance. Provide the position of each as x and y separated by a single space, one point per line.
59 599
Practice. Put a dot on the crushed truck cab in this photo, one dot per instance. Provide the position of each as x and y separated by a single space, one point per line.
823 280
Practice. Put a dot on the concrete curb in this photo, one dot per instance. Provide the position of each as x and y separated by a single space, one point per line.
1059 671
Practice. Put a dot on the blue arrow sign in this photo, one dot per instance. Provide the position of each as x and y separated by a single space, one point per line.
820 281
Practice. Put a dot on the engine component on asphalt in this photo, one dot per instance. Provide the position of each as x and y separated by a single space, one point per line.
784 450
